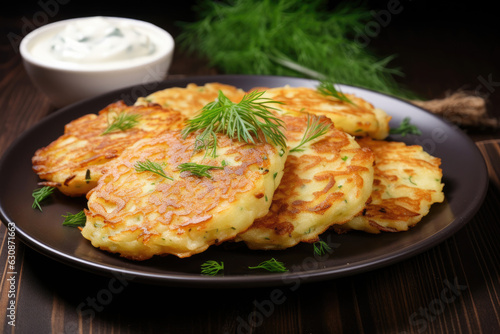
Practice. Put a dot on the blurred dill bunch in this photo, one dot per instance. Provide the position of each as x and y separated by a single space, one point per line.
291 38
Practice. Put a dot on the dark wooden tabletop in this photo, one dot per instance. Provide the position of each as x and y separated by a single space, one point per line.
453 287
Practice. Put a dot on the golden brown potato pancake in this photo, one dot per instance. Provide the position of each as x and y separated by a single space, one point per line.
142 214
407 182
190 99
358 119
75 161
327 183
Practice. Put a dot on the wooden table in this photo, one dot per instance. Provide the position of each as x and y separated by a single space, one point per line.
451 288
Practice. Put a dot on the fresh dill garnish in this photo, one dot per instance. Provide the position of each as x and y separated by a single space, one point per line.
314 129
327 88
405 128
271 265
75 220
321 247
197 169
245 121
211 267
39 195
123 121
150 166
294 38
87 176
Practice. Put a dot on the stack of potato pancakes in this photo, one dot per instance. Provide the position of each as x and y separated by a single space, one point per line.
336 173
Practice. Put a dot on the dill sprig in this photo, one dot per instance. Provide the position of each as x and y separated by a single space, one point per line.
405 128
198 169
87 176
151 166
321 247
123 121
39 195
211 267
271 265
245 121
75 220
327 88
308 39
314 129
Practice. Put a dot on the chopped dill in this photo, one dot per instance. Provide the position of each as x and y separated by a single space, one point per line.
39 195
321 247
327 88
123 121
75 220
87 176
406 128
211 267
271 265
314 129
197 169
154 167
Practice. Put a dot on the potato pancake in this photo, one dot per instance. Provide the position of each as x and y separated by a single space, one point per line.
326 183
75 161
358 119
142 214
407 182
190 99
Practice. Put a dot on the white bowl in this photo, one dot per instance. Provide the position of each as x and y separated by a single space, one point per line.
65 82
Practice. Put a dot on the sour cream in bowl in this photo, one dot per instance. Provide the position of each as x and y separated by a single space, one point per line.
79 58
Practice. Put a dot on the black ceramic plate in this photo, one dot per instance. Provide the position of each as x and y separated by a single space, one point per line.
465 178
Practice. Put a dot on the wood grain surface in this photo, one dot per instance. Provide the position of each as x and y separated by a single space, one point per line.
491 152
451 288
